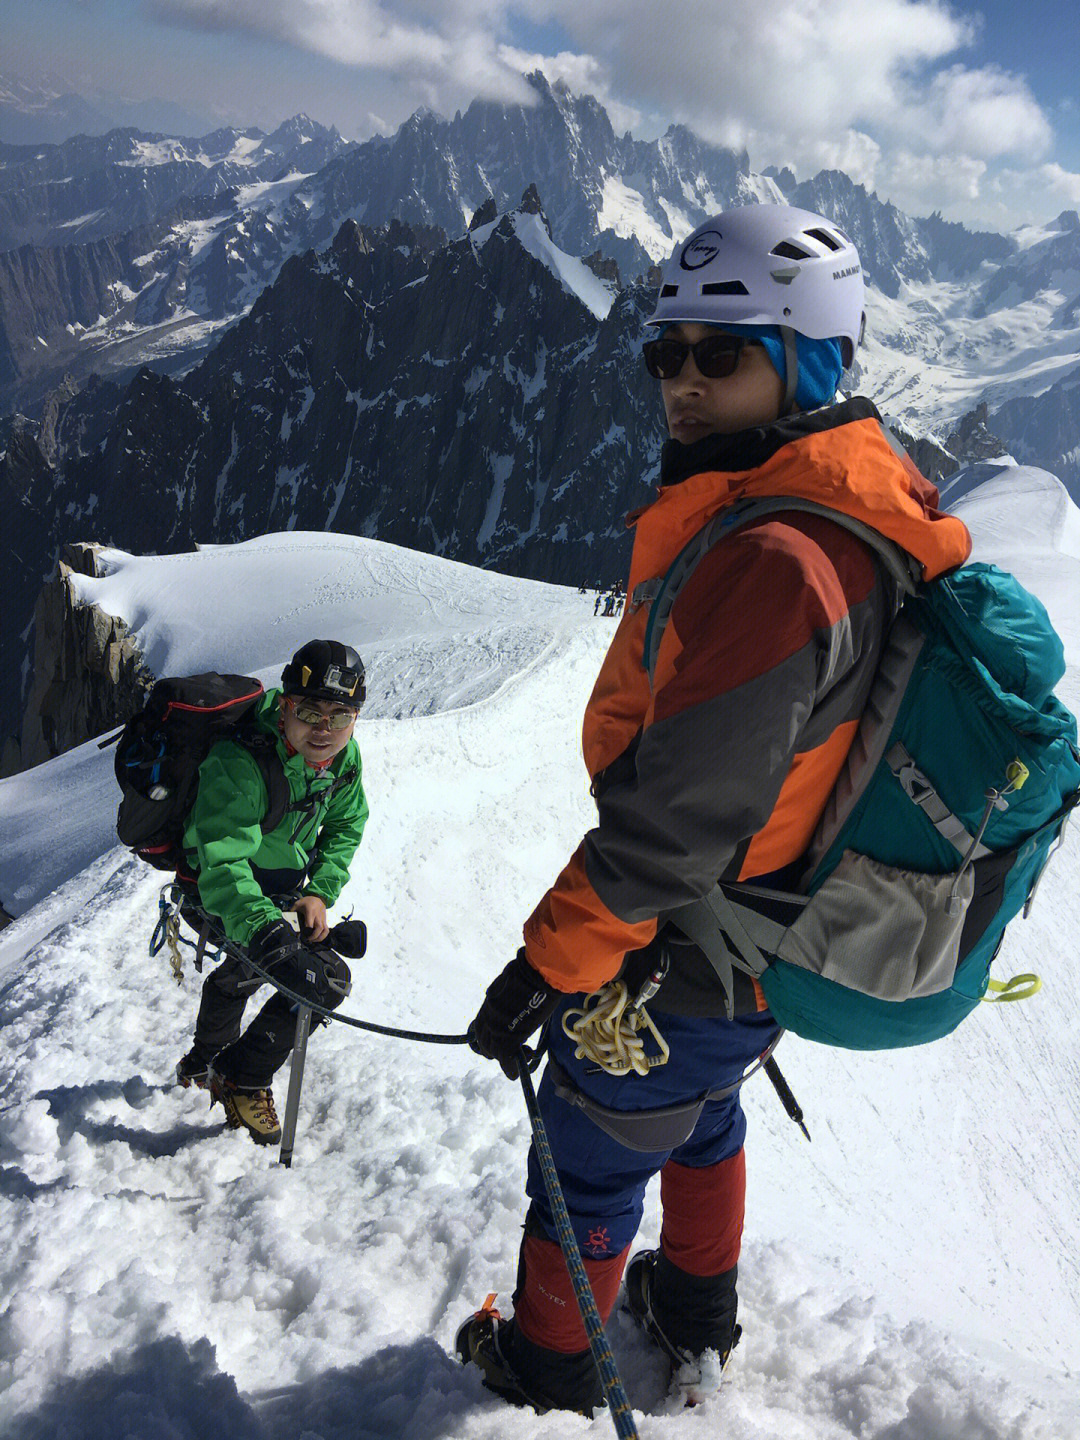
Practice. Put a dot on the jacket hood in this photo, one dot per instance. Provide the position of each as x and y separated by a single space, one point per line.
267 715
841 456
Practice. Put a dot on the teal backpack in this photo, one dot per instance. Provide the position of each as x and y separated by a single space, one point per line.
958 786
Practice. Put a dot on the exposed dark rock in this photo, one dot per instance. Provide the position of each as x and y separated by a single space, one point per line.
969 443
531 205
935 462
603 268
88 673
972 439
1044 430
487 212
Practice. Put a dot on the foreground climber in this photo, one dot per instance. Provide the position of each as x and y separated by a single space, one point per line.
242 880
720 768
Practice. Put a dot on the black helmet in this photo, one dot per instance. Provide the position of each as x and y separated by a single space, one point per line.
325 670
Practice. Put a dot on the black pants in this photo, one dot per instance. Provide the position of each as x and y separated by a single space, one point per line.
251 1060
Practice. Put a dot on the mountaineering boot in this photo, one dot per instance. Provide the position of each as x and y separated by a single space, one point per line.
506 1359
695 1373
251 1110
193 1069
479 1341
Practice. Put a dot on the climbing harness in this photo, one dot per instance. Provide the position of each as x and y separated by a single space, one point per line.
607 1030
665 1127
169 919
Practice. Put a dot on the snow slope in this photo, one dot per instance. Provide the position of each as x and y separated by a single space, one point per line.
573 274
911 1275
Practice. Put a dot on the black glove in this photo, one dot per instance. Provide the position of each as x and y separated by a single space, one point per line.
348 937
273 943
518 1001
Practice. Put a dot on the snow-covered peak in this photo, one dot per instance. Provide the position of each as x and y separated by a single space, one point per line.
530 231
375 595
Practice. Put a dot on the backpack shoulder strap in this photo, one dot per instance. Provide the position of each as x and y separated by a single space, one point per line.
903 568
263 751
347 776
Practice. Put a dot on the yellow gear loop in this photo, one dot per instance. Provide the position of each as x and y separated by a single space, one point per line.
1020 987
172 939
606 1028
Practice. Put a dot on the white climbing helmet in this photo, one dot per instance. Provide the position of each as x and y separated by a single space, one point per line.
767 265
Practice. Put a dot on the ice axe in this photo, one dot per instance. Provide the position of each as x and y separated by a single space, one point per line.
618 1404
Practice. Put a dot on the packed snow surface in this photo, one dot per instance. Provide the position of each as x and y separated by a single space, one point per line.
912 1274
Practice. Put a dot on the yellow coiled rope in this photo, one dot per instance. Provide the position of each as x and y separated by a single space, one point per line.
610 1031
172 939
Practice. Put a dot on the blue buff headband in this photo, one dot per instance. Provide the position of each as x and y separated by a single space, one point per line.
820 362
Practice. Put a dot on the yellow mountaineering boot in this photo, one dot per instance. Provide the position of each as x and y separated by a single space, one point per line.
251 1110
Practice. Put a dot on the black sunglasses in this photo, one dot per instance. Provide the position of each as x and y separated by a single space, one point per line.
716 357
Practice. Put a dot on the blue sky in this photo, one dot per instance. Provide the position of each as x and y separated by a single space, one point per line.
970 109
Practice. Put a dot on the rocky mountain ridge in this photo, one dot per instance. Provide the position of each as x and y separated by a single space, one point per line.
224 214
115 243
481 398
473 388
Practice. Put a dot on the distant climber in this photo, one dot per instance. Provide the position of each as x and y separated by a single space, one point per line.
241 881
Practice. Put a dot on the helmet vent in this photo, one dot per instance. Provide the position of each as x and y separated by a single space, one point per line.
829 241
788 250
724 287
669 292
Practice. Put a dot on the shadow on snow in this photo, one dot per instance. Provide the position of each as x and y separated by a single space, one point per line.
69 1106
169 1388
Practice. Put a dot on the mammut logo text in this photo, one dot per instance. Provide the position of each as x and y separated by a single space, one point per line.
843 274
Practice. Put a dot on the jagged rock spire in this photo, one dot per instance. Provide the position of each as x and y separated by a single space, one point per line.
531 204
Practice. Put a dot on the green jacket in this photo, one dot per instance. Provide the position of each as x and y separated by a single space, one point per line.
224 840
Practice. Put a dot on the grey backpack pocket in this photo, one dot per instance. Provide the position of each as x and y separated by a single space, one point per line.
885 932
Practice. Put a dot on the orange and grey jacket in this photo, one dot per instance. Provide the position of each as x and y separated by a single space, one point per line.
725 763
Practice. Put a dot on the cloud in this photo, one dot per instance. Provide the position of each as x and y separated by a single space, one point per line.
984 113
920 183
877 88
1063 183
809 70
1041 193
582 74
817 65
446 52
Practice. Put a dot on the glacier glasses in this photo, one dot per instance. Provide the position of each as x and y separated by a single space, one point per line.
716 356
307 714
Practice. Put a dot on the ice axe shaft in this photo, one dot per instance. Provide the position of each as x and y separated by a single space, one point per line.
787 1099
296 1080
618 1404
